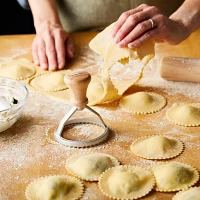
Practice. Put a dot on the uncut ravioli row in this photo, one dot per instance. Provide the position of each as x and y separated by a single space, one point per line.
115 181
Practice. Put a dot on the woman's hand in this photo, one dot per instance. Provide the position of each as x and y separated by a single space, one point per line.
51 46
143 23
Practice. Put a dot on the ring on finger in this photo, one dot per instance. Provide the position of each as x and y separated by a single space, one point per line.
152 23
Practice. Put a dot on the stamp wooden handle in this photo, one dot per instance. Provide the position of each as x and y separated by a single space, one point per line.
78 82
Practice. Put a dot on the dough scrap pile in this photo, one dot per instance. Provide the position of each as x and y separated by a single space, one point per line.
103 45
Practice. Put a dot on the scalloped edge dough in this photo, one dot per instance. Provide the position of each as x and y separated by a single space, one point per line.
113 175
184 114
76 194
49 82
143 102
152 147
160 169
19 69
75 170
192 193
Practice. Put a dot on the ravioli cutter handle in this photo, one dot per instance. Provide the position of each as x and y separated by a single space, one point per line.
78 82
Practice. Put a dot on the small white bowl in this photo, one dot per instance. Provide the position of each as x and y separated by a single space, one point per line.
12 88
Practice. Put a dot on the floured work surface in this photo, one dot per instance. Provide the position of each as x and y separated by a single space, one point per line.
27 151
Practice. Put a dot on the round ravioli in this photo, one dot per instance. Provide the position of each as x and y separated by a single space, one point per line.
90 166
143 102
174 176
17 72
184 114
126 182
190 194
49 82
55 188
156 147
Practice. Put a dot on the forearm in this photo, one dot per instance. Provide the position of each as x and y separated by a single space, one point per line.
44 13
188 15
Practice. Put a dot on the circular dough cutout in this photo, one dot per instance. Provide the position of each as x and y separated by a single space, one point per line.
174 176
143 102
126 182
156 147
190 194
17 72
184 114
55 187
49 82
90 166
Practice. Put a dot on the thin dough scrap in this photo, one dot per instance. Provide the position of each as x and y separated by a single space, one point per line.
174 176
190 194
90 167
17 69
112 54
143 102
55 188
126 182
49 82
184 114
157 147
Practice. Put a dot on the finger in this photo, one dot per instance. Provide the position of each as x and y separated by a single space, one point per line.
132 22
149 35
139 30
35 52
42 55
123 17
60 49
70 48
51 52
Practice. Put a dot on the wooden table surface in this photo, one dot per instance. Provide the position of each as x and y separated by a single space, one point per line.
28 150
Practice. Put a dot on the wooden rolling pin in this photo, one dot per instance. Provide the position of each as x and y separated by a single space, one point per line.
180 69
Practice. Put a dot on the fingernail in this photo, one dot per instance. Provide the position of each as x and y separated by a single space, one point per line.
116 40
44 66
52 67
121 44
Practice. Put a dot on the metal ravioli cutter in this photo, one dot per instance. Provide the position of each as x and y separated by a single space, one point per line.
78 82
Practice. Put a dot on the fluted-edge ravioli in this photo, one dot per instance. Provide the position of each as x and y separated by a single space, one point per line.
174 176
56 187
157 147
184 114
192 193
126 182
143 102
91 165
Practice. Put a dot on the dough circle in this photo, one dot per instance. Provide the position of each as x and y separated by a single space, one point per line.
143 102
184 114
90 166
126 182
17 72
190 194
60 187
174 176
156 147
49 82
